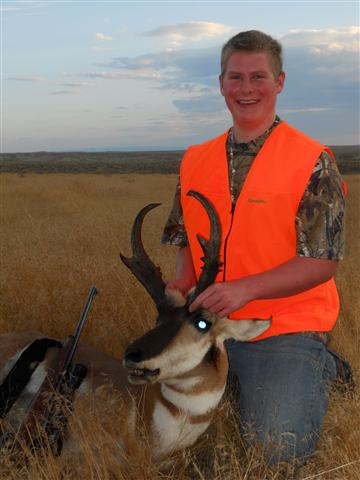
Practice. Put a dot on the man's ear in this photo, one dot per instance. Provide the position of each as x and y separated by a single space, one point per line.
281 82
221 85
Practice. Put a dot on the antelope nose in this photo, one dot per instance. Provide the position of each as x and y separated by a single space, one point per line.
133 355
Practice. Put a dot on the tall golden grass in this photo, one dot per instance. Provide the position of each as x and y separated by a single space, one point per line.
60 234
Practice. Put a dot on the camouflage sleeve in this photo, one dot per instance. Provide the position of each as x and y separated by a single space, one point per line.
320 216
174 232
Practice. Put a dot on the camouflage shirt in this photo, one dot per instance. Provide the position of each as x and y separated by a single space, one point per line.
319 220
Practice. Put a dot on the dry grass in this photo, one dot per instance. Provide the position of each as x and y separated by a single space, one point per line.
60 234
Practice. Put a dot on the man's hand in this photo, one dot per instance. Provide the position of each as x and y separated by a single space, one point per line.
185 273
223 298
292 277
180 284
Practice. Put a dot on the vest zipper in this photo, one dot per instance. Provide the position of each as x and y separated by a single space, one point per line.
226 239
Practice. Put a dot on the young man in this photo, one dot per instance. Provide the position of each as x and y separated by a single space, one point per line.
280 200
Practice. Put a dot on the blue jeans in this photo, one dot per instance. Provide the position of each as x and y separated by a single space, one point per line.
282 393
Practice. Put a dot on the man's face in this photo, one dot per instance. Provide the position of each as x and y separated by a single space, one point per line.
250 89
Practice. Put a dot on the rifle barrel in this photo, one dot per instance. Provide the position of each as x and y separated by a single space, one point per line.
85 311
75 337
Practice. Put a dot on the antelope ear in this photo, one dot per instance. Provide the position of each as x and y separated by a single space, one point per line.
242 330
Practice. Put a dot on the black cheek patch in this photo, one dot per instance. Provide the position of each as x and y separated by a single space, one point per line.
154 342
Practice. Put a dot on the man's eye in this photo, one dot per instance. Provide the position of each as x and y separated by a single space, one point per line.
202 325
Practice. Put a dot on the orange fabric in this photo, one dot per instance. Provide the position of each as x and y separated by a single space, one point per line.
260 233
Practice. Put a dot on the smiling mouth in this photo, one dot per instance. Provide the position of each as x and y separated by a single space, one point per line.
247 102
140 375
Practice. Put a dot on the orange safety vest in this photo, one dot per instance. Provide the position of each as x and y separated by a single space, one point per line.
259 233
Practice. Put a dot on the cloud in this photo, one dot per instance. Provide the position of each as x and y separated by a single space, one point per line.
316 82
27 79
305 110
63 92
126 74
322 68
96 48
325 41
77 84
103 37
174 69
189 31
24 7
6 8
200 104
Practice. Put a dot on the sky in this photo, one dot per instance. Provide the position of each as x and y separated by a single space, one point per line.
143 75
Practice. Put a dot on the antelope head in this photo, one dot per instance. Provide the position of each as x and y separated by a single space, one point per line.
180 341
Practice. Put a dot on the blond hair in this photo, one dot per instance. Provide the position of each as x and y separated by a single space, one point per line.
253 41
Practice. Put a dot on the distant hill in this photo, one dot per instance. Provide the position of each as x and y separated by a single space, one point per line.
91 162
348 158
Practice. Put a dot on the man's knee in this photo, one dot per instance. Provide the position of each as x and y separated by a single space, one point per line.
281 446
283 398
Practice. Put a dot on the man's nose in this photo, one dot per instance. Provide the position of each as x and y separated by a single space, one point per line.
246 86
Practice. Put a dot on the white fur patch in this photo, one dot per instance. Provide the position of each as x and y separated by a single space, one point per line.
185 384
193 404
242 330
36 380
173 433
85 386
21 406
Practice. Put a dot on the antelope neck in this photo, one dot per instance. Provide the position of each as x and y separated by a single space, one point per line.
193 404
195 395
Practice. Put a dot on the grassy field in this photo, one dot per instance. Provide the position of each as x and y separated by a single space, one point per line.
61 233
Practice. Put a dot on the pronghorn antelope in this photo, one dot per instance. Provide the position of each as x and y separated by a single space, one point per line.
171 378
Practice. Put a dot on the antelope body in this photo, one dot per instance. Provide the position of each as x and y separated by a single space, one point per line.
172 378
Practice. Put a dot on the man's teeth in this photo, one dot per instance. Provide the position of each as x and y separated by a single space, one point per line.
247 102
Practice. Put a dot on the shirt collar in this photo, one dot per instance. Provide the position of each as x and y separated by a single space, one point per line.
255 144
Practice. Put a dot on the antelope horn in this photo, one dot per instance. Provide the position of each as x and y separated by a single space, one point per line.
140 265
210 248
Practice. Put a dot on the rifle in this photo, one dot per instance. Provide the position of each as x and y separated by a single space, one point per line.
45 420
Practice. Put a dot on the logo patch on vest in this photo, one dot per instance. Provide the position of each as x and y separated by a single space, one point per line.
256 200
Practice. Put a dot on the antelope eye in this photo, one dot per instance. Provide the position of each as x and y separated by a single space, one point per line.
202 325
